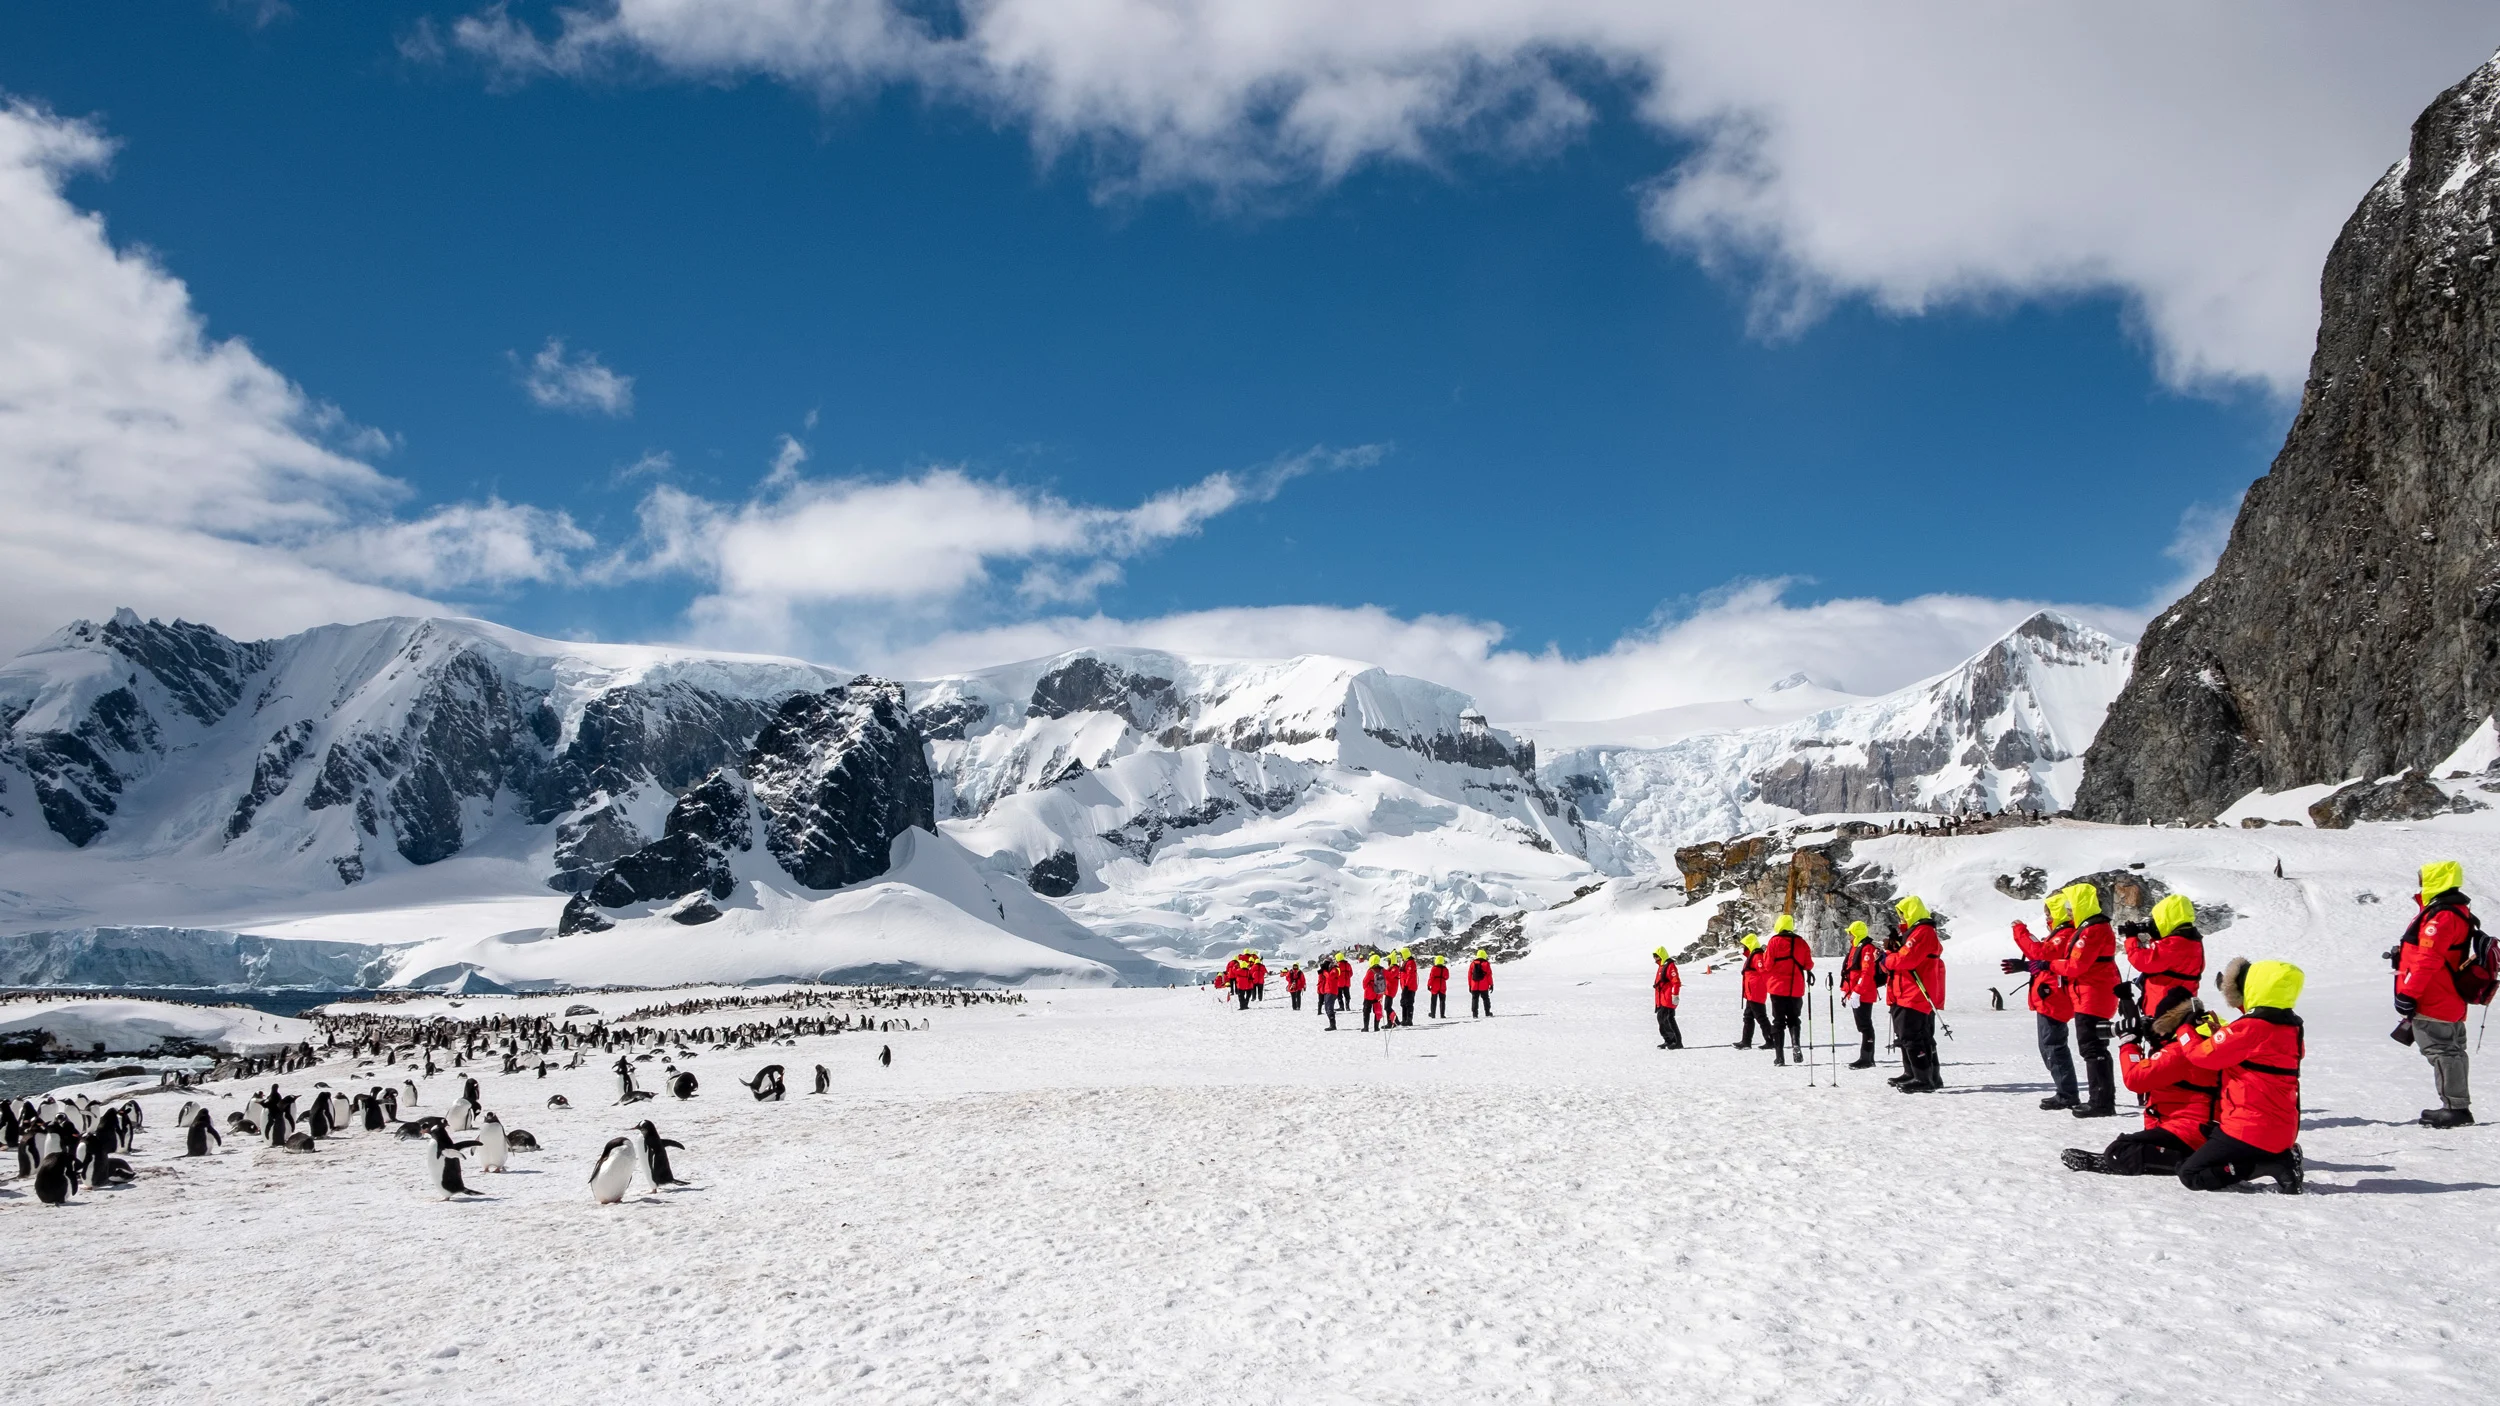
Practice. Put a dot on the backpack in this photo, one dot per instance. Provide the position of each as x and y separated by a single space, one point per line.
2476 973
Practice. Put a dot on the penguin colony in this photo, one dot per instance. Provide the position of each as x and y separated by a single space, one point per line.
68 1146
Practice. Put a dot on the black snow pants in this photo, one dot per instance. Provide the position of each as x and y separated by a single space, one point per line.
1668 1034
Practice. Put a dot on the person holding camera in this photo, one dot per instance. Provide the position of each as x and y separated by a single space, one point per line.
1916 964
2169 951
1859 973
2051 1005
2256 1059
2427 998
2090 972
2178 1098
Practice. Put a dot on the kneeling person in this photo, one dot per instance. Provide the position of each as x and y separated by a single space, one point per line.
2178 1100
2258 1058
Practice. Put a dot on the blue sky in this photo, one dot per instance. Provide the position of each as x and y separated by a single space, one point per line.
1521 398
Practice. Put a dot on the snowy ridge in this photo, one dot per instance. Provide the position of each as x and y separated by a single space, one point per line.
2005 730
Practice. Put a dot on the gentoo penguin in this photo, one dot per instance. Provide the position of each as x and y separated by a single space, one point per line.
55 1179
491 1144
468 1090
300 1142
766 1085
375 1119
342 1110
189 1111
613 1174
520 1140
407 1095
824 1079
463 1116
10 1129
624 1080
885 1055
681 1084
317 1121
102 1167
442 1164
655 1155
559 1101
200 1135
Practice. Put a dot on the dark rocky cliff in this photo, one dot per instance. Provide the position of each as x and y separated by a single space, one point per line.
2352 625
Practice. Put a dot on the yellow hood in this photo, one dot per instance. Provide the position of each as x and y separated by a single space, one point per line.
1913 910
2060 912
2084 901
2440 876
1785 924
2275 984
1752 942
2172 914
1857 933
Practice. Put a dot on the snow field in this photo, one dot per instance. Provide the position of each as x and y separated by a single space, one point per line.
1149 1196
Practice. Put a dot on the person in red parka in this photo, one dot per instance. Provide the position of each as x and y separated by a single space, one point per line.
1408 980
1860 971
1375 988
1666 988
1786 961
2090 971
1258 978
2258 1058
1437 981
1755 979
1916 959
2427 998
1480 985
2179 1099
2172 955
1233 982
1294 982
2051 1005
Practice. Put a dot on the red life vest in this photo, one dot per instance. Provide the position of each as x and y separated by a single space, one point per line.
1786 960
2090 968
1860 970
2176 962
1439 981
2258 1056
1756 978
1917 970
1480 975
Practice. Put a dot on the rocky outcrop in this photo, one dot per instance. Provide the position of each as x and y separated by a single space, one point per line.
829 783
2352 624
1755 878
2412 796
1055 875
1086 684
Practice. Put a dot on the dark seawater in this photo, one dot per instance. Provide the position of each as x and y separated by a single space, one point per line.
284 1001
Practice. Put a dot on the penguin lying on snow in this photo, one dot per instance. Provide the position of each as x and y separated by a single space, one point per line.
559 1101
766 1085
681 1084
520 1140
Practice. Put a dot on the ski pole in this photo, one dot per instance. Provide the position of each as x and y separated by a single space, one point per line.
2481 1026
1809 1005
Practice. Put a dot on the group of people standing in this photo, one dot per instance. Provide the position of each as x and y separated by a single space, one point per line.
1907 968
1389 982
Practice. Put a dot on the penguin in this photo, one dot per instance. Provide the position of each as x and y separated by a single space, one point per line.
624 1080
317 1122
824 1079
885 1056
10 1130
443 1165
468 1090
422 1127
463 1116
189 1111
342 1110
681 1084
299 1142
407 1095
766 1085
374 1119
277 1127
655 1155
55 1179
491 1144
389 1098
613 1174
520 1140
27 1157
201 1134
559 1101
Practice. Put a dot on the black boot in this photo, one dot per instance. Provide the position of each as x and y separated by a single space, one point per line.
2096 1110
2447 1117
2290 1171
2078 1160
2055 1102
1779 1056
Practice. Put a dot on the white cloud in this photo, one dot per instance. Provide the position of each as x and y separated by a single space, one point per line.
145 463
1736 642
576 381
2194 158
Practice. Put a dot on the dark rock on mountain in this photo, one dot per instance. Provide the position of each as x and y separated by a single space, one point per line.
466 737
2352 625
706 826
838 775
696 913
581 915
674 735
587 845
1089 685
1762 876
272 772
2029 885
1055 876
950 719
2411 796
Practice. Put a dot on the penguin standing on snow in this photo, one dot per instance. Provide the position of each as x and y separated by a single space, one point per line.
625 1089
407 1095
200 1134
56 1180
885 1055
442 1164
613 1174
317 1121
655 1155
463 1117
468 1090
491 1144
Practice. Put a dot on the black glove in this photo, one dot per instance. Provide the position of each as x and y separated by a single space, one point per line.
2406 1006
2038 967
2403 1033
2011 965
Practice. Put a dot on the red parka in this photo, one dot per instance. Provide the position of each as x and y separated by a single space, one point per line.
1372 983
1406 975
1667 987
1756 978
1860 971
2431 952
1480 975
2090 969
2176 962
1438 983
1786 960
1918 970
2178 1097
2258 1057
1294 981
2049 996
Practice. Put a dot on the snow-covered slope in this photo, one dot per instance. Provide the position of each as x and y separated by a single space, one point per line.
78 1025
2005 730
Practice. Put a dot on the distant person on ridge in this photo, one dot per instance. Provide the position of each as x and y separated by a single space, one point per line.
2436 971
1666 988
2052 1006
1859 973
1438 983
1787 960
2090 972
2258 1058
1754 979
1480 985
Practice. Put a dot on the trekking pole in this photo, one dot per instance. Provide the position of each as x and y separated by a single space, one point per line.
2479 1027
1809 1005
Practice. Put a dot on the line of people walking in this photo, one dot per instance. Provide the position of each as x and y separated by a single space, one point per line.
1389 984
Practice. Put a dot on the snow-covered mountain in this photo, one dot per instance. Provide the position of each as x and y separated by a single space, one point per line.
2004 730
449 801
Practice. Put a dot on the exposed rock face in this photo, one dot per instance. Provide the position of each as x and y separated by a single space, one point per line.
1090 685
2411 796
1768 874
1055 876
830 782
2352 625
838 775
